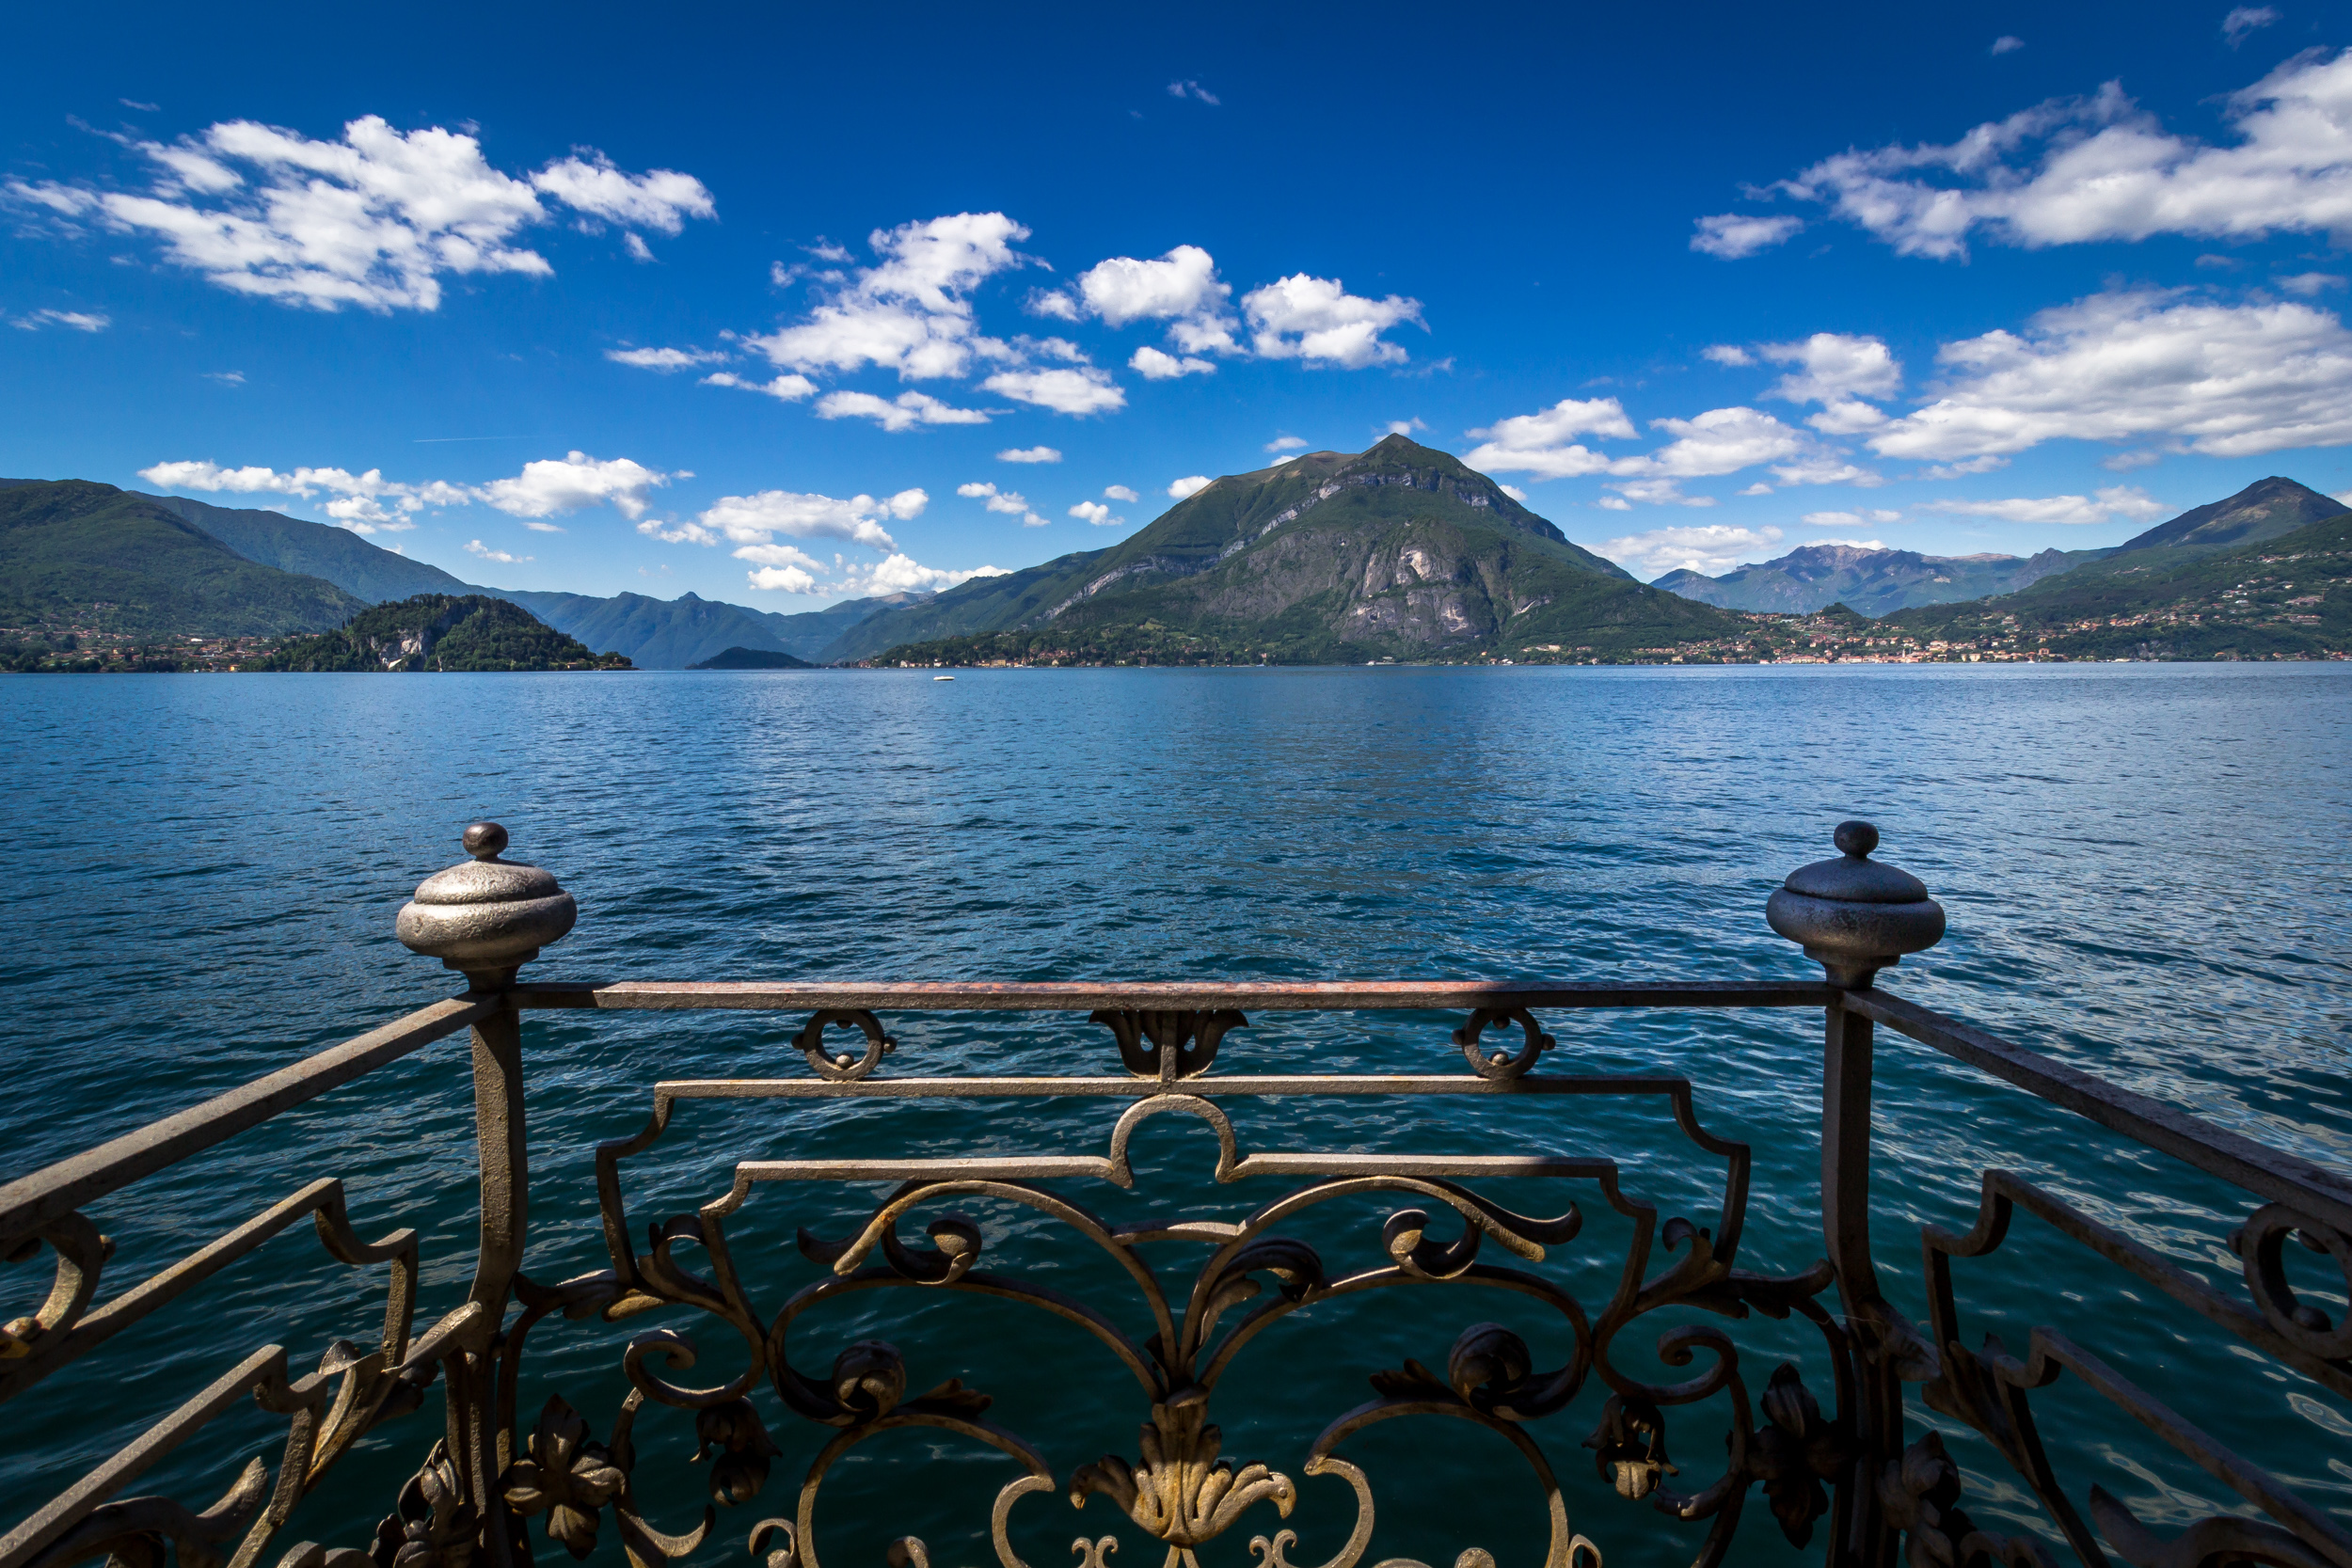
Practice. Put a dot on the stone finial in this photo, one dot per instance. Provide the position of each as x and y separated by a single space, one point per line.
1855 915
485 917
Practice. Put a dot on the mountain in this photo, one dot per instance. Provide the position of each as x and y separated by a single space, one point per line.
79 555
2270 596
2264 510
1398 550
752 659
314 549
441 632
652 633
1872 582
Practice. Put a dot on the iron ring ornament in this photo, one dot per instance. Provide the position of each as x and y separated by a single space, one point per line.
515 1463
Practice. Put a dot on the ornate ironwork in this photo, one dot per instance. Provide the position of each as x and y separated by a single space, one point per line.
1835 1458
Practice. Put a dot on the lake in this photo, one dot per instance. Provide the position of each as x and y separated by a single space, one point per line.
2144 868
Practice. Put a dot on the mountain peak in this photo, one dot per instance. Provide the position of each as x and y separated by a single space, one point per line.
2263 510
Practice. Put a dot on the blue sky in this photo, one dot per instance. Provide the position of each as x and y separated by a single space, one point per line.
772 305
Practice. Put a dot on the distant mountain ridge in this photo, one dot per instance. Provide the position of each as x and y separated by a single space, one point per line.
1399 550
1870 581
660 634
2264 510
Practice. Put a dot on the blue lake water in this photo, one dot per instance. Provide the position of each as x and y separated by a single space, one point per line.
2144 868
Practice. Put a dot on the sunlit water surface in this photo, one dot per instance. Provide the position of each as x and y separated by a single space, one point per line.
2144 868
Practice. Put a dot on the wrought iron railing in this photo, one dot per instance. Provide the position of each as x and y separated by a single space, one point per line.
501 1468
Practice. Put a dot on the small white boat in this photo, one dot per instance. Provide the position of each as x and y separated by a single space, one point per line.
942 677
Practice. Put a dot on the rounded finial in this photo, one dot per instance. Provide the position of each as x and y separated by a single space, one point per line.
484 840
484 916
1851 838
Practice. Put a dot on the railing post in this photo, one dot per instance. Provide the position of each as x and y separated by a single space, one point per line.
1854 916
485 918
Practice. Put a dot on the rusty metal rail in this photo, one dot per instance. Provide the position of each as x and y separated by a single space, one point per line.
1835 1458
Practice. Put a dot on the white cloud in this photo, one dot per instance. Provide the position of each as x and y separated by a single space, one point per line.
1720 441
549 486
475 547
1082 390
2246 18
1542 444
637 247
1513 492
1984 464
904 412
1708 549
1405 427
2115 462
1030 454
1732 235
1849 519
666 360
1659 492
373 220
2120 500
363 504
1758 488
662 200
1097 513
1727 354
1317 321
1180 288
2076 170
2310 284
1120 493
1832 366
908 311
1613 503
80 321
543 528
2227 381
1189 88
1191 484
2007 43
1287 443
787 388
1153 365
1010 502
226 378
751 523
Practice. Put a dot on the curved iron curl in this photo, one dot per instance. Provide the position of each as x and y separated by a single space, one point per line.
644 1543
1040 1477
1730 1489
844 1068
1502 1063
111 1525
1272 1554
1182 1043
677 1353
2263 1245
81 1252
1566 1546
576 1299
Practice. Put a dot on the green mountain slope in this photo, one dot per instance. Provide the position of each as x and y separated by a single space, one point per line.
2287 594
1399 550
316 549
2264 510
1873 582
752 659
77 554
442 632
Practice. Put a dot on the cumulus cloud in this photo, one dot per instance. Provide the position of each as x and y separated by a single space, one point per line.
1720 441
475 547
2006 43
904 412
1833 365
751 523
1727 354
1153 365
1984 464
1315 319
909 312
549 487
1659 492
1733 235
1180 288
1707 550
2076 170
1030 454
1095 513
1513 492
2225 381
787 388
1849 519
897 574
80 321
1079 391
2243 20
2310 285
665 359
1120 493
373 220
1287 443
1542 444
1191 484
2127 501
364 503
1010 502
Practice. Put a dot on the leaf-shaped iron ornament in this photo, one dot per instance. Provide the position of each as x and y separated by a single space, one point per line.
1181 1492
733 1432
432 1525
1629 1446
